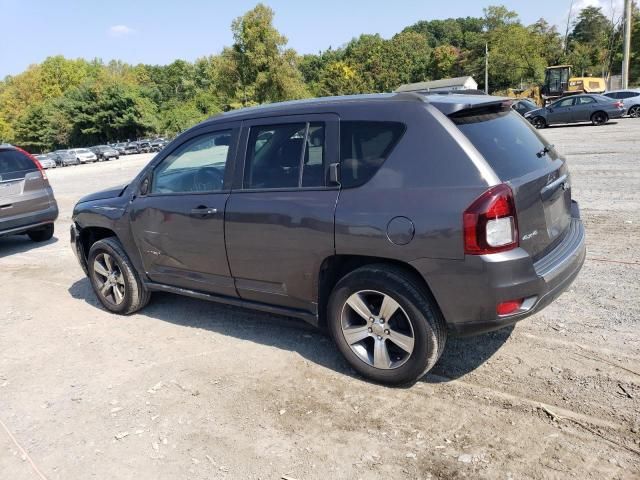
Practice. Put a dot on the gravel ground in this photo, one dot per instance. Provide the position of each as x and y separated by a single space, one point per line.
190 389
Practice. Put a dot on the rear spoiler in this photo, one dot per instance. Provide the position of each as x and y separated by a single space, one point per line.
463 105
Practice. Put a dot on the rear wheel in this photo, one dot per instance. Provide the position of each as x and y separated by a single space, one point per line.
41 234
539 122
114 278
599 118
634 111
385 325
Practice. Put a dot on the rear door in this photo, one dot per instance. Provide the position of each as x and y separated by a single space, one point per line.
23 189
280 216
538 176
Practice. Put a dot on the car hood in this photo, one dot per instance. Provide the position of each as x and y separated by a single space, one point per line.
535 111
104 194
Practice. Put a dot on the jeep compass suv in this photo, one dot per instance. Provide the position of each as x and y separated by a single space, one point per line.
391 220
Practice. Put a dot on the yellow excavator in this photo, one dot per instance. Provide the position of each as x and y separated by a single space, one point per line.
558 82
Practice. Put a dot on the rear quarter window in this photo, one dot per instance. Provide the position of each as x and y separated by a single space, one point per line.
364 146
14 161
506 140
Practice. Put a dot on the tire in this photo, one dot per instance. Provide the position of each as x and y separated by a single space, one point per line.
132 294
539 122
599 118
634 111
41 234
416 321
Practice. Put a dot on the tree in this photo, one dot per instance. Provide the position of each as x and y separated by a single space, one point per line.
258 68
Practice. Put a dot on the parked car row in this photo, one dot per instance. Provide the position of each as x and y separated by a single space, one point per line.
76 156
597 109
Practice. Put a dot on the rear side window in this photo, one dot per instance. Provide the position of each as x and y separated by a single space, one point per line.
14 161
508 143
286 156
364 146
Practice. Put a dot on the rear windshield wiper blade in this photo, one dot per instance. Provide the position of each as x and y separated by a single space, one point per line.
545 150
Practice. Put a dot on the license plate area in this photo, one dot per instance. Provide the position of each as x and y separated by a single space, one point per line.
10 189
557 214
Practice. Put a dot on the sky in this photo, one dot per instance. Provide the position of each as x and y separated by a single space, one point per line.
158 32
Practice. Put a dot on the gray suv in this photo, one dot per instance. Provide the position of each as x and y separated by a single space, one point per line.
391 220
27 204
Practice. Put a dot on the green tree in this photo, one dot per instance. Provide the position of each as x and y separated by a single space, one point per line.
258 68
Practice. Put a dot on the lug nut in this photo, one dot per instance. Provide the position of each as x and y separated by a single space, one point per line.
370 329
379 337
386 332
381 321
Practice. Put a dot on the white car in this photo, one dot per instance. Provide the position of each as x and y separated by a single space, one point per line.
84 155
631 99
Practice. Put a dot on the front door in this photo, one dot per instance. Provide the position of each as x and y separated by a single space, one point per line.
561 111
280 215
178 220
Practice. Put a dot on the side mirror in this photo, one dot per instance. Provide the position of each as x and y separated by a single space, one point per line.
145 186
334 173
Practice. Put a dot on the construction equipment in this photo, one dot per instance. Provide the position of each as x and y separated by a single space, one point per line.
558 82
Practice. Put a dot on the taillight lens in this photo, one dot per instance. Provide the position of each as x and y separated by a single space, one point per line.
490 222
619 104
34 160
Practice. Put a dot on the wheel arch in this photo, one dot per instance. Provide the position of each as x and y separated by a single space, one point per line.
335 267
90 235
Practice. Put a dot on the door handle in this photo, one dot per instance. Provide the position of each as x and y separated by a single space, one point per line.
203 211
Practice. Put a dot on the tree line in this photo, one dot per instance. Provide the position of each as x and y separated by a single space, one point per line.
63 102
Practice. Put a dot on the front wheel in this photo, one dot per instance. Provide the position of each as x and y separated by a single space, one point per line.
539 122
599 118
114 279
634 111
387 327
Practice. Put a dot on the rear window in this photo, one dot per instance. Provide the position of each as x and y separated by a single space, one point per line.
508 143
14 161
364 146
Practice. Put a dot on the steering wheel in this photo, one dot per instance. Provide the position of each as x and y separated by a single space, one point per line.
208 179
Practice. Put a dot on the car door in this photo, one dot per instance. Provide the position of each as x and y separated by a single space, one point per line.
583 109
280 215
178 216
561 111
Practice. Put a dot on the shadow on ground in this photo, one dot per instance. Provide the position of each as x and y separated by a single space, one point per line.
19 244
461 355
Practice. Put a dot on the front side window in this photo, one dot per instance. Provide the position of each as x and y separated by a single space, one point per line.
196 166
364 146
585 100
286 156
567 102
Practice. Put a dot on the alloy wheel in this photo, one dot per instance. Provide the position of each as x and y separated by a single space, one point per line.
377 329
599 118
539 122
109 279
634 111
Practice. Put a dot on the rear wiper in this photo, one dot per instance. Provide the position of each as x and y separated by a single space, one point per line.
545 150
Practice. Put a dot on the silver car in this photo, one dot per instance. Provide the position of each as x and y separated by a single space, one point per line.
84 155
596 109
27 204
631 99
46 161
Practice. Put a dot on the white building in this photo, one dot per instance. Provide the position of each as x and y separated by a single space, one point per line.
458 83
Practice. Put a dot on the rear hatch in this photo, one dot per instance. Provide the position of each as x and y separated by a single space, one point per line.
524 160
23 189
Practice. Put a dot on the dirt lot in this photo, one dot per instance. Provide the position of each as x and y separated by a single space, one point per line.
190 389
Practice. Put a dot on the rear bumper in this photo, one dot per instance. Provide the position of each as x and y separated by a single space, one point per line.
468 297
25 222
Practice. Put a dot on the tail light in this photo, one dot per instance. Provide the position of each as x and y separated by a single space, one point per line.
490 223
618 104
509 307
35 162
